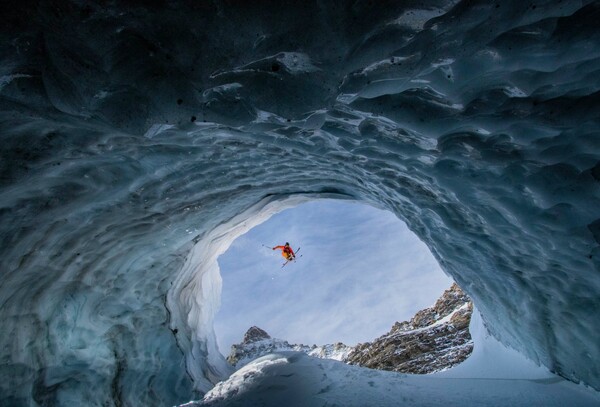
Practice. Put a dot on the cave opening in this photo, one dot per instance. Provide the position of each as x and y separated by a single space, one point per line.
359 270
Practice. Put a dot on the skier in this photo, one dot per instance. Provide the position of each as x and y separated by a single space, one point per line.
286 251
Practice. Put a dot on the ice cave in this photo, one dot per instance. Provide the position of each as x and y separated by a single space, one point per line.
140 138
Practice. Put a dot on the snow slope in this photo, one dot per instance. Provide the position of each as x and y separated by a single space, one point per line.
295 379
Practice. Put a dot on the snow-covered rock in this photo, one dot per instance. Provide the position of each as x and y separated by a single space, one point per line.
255 334
334 351
258 343
435 339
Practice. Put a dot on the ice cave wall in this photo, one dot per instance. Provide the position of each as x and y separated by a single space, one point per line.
138 139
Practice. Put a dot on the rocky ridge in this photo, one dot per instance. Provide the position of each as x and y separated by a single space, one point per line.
435 339
258 343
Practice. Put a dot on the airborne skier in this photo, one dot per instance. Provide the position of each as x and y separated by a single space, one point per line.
286 252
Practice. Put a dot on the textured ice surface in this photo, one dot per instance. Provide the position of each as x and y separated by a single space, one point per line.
138 141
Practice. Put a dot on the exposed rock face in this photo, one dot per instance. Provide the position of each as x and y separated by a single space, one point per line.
452 299
255 334
435 339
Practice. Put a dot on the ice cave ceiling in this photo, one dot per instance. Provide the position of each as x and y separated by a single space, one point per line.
139 138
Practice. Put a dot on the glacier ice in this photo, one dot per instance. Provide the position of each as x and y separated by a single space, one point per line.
138 140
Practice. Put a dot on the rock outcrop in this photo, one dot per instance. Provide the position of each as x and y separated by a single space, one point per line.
255 334
435 339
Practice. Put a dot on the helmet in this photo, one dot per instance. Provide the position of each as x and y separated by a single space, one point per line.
287 244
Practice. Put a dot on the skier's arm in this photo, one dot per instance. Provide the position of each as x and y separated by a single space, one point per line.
279 247
292 251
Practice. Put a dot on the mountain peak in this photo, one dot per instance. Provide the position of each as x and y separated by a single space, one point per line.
255 334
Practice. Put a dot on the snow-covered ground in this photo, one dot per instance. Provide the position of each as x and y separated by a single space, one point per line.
295 379
493 376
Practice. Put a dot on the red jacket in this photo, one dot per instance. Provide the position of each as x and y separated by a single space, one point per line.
285 249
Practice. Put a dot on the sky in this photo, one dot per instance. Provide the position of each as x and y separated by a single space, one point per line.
359 270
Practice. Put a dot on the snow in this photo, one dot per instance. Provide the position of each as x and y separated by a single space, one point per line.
331 352
493 376
439 322
295 379
248 352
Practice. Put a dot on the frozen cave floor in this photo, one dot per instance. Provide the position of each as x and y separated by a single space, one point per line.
493 376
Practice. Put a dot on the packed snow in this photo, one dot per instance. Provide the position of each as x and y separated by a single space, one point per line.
496 376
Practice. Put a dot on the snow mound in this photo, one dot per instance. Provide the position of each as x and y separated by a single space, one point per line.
296 379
